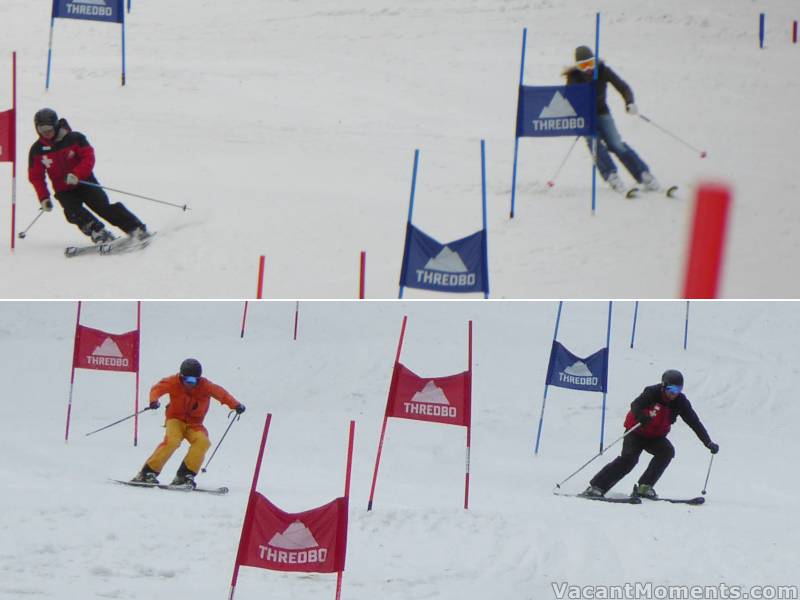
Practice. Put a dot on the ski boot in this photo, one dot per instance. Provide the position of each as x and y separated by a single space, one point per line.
643 490
146 475
102 236
649 182
593 492
184 478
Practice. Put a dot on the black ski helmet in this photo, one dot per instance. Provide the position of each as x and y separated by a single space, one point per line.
45 116
583 53
672 377
191 367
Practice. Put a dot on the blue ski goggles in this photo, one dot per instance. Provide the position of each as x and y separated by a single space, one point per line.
189 379
674 389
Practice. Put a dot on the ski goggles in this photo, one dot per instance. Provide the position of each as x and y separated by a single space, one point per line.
190 379
585 65
45 129
674 389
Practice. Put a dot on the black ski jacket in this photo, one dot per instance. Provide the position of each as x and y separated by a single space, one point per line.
605 75
680 406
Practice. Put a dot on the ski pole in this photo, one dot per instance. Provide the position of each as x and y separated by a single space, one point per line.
552 181
23 233
221 440
104 187
583 466
702 153
708 474
120 421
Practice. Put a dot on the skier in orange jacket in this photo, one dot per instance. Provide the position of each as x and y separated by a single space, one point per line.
189 399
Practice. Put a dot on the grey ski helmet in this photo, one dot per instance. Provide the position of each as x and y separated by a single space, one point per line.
583 53
191 367
672 377
45 116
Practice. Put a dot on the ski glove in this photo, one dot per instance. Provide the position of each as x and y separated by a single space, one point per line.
631 109
713 447
154 405
46 205
72 179
239 409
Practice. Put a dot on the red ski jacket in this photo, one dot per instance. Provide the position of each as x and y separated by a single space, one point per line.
190 404
69 152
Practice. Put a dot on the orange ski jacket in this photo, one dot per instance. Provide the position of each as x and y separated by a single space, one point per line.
190 404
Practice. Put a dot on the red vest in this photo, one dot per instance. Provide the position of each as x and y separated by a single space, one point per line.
659 426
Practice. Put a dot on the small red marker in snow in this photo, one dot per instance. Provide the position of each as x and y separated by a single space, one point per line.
550 184
703 154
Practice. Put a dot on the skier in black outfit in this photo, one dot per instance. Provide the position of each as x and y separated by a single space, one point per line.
656 409
68 159
608 138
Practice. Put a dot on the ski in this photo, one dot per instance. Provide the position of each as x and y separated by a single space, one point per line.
671 191
175 488
612 499
632 193
693 501
119 246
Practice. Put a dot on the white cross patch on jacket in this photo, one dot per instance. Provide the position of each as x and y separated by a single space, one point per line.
47 162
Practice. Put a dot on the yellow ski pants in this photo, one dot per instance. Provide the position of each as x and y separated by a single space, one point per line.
177 431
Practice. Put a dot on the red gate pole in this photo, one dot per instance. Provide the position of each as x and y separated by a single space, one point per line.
248 515
260 288
72 375
706 246
346 494
361 279
385 415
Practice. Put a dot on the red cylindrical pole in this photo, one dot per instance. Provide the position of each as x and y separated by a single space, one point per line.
296 316
794 32
260 289
706 245
362 276
248 513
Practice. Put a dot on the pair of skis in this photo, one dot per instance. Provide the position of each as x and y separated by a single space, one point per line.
635 192
119 246
637 499
219 491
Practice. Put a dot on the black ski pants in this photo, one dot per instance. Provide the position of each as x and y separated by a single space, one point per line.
73 201
661 448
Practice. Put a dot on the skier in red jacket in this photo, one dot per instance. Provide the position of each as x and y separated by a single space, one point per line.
68 159
656 409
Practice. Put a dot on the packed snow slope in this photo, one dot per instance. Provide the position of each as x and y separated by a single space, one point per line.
67 532
289 129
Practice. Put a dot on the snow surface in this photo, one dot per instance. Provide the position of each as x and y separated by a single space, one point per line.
66 532
289 128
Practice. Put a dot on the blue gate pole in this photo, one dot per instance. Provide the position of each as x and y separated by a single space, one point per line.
516 139
485 228
122 13
594 108
50 46
544 398
411 201
686 327
635 313
608 356
761 30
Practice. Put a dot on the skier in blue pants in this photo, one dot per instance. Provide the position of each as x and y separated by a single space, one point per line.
608 138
